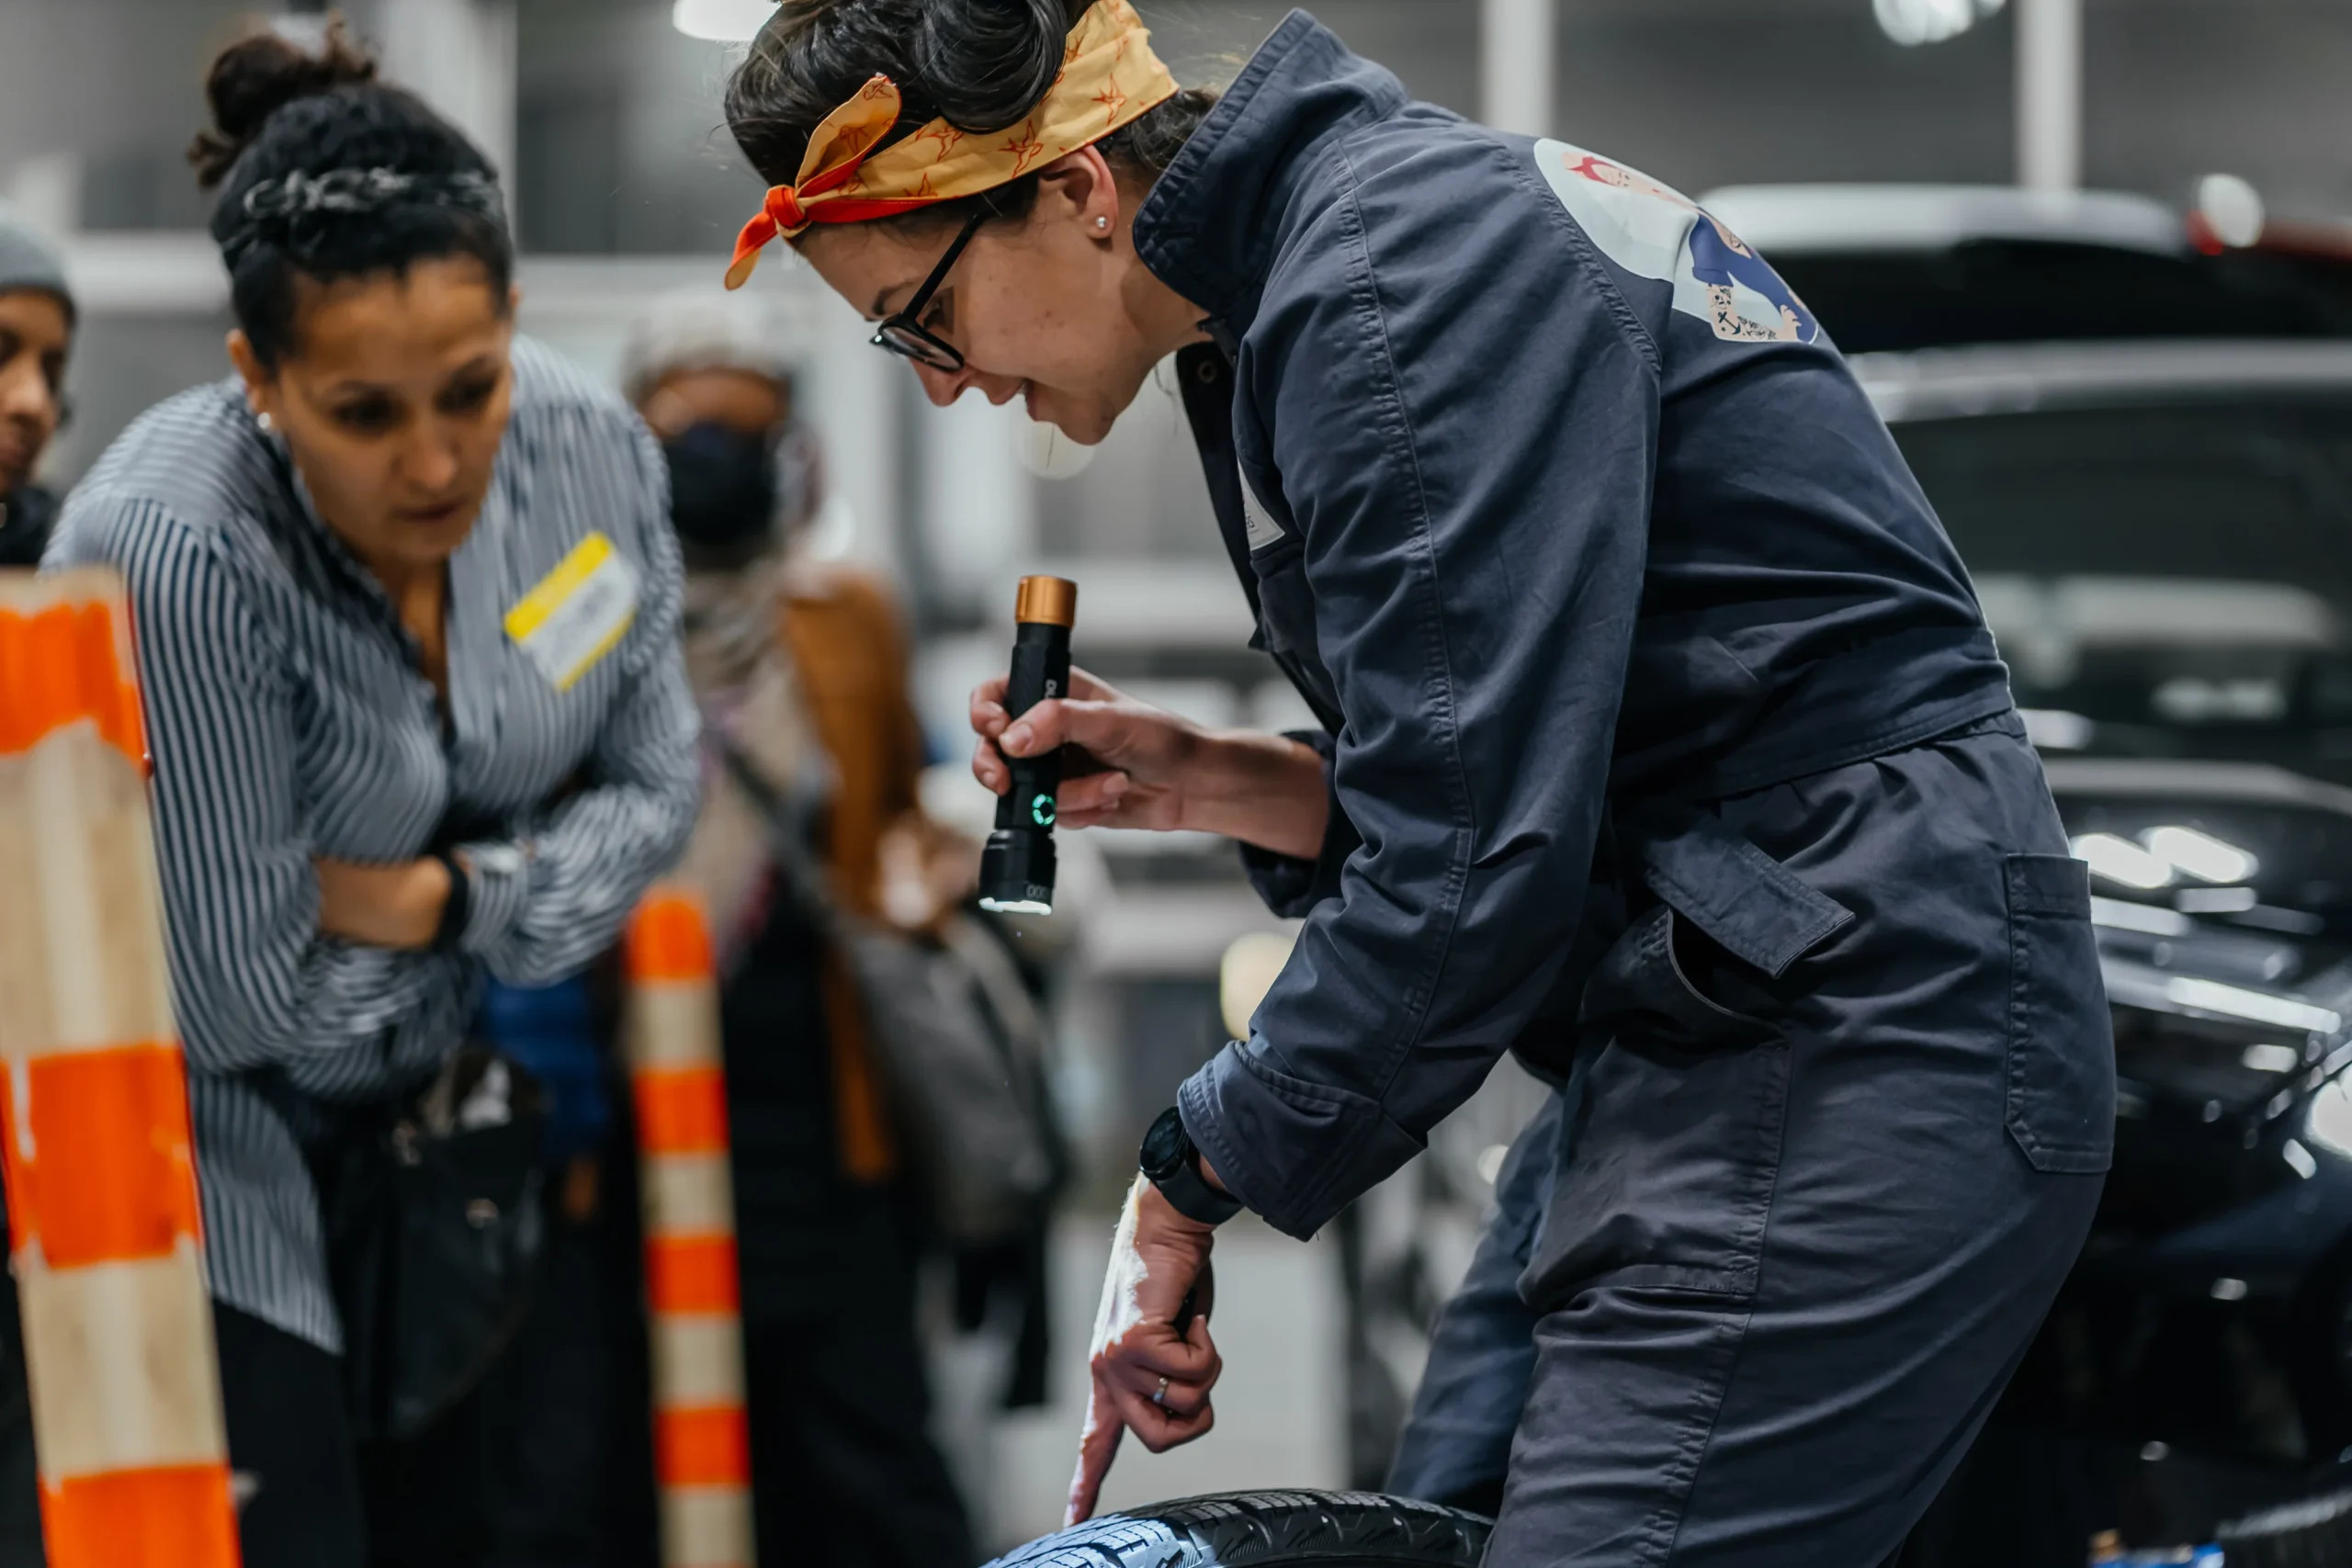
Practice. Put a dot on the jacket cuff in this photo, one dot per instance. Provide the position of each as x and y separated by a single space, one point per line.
1289 886
1295 1153
498 877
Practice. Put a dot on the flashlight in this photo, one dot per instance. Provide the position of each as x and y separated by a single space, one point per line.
1017 868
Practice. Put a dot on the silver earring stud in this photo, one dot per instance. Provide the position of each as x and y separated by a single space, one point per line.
1101 222
268 424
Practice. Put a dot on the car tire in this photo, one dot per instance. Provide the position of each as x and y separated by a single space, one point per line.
2315 1534
1267 1529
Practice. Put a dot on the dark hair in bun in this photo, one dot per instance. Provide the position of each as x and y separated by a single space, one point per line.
326 173
981 65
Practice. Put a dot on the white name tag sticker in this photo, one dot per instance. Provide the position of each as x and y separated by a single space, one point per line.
1259 524
577 612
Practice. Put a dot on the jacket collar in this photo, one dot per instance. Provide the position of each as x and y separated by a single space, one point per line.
1208 229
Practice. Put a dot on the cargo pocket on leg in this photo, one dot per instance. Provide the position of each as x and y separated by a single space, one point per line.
1684 1079
2060 1100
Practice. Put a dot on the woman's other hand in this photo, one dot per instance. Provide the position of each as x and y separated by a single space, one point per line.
1139 766
382 905
1147 1378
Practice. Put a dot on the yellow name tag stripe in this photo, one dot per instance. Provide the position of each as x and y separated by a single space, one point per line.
532 610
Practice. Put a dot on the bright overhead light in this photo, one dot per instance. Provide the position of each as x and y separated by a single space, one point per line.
2055 729
721 21
2272 1058
2215 900
2261 1007
2121 860
306 31
2328 1119
2121 914
1931 21
2201 856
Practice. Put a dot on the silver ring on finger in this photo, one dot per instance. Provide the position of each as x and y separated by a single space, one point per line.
1160 1394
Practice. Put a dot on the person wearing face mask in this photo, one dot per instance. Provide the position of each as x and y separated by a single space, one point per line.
1661 743
407 602
36 336
801 669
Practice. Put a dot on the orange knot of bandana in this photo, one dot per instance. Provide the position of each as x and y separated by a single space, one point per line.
1109 77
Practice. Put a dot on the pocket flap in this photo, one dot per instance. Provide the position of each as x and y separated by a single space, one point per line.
1760 911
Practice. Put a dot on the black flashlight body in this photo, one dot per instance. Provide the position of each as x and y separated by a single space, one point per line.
1017 868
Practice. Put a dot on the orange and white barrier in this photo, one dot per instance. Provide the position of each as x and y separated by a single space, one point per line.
94 1120
701 1447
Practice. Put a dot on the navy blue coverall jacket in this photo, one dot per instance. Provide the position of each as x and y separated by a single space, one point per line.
1557 505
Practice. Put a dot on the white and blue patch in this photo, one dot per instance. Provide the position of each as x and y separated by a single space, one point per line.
1654 231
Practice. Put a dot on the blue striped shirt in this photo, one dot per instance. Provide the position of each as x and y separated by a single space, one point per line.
290 718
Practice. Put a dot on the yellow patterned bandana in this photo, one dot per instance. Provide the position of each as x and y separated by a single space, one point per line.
1109 76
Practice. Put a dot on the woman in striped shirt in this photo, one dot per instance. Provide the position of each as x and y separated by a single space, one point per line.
407 604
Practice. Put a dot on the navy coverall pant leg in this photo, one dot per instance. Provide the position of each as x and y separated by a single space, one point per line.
1804 1227
1456 1447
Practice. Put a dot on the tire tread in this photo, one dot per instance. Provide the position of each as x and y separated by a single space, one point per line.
1260 1529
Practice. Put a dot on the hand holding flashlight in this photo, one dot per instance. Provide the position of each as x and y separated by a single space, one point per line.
1125 763
1017 868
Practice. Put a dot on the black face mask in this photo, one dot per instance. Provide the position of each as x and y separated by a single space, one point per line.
25 517
723 488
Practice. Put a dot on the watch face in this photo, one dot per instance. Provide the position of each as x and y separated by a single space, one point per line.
497 860
1164 1146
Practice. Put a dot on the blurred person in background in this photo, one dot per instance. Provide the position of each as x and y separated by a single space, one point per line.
36 336
1662 741
374 780
800 669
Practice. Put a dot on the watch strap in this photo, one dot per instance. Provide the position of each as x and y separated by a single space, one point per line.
1188 1193
1181 1182
455 908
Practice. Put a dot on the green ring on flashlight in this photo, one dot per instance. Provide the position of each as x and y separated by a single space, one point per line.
1041 811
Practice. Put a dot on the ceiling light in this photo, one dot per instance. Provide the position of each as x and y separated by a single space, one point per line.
2201 856
721 21
2055 729
2215 900
1931 21
2121 860
2272 1058
306 31
2123 915
2237 1001
2327 1120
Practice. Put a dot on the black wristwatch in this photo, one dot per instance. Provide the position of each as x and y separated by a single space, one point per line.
1171 1164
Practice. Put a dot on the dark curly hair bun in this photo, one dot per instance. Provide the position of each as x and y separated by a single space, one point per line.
325 172
980 65
985 63
253 78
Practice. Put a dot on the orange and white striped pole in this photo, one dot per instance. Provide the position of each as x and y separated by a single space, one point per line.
701 1446
94 1120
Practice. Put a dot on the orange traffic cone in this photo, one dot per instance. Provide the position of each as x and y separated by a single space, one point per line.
93 1120
701 1452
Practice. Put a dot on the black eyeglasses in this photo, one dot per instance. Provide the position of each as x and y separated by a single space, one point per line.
903 334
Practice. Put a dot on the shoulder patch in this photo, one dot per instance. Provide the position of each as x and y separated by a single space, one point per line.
1651 230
